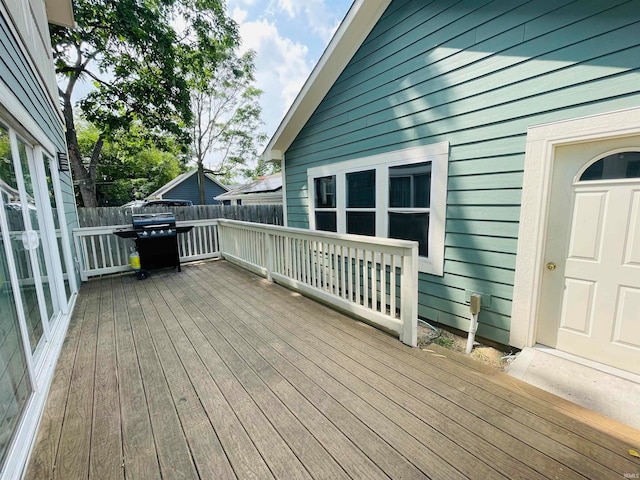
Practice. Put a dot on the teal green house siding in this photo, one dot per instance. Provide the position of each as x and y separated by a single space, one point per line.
476 74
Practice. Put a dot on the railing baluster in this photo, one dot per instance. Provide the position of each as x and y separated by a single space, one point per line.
110 251
349 271
383 284
307 263
102 255
358 293
94 253
313 263
294 258
329 269
343 271
365 278
392 287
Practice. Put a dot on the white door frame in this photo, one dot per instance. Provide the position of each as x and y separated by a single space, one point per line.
542 141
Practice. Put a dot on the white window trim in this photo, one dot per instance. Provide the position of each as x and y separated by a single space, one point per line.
437 154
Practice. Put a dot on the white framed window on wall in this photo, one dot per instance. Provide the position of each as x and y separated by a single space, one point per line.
400 194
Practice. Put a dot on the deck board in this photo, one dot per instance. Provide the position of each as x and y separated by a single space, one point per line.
72 459
140 459
217 373
106 441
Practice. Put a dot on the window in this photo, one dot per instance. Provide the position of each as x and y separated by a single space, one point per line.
325 203
409 201
361 203
399 195
613 167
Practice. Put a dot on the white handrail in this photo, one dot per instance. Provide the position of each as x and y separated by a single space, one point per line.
370 277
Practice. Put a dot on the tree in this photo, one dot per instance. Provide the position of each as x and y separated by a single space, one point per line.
131 167
140 64
262 169
226 118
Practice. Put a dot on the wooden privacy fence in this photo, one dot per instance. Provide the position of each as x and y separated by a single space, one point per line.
372 278
108 216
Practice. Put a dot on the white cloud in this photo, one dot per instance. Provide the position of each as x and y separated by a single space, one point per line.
239 15
292 7
235 3
281 68
317 16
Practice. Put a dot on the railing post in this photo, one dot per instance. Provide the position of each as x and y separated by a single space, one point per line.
270 247
409 297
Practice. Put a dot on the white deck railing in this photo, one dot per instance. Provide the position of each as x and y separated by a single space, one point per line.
101 252
373 278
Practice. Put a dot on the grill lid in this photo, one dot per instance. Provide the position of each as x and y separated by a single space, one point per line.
143 221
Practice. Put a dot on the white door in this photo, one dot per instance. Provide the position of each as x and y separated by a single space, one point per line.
590 303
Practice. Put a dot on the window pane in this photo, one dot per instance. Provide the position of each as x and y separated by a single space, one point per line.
410 186
326 221
399 191
422 191
14 381
325 192
361 189
618 165
361 223
411 226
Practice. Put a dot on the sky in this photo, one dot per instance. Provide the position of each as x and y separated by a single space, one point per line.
288 37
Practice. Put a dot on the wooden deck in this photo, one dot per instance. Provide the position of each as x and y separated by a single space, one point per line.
215 373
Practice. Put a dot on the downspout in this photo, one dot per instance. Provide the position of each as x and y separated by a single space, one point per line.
474 307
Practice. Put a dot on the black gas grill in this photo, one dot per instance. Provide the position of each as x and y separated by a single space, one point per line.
156 237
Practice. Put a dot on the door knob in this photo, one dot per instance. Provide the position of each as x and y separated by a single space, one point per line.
551 266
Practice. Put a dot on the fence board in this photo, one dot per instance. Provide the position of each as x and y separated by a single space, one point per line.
105 216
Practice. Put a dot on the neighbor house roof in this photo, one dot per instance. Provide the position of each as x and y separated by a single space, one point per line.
60 12
181 178
357 24
268 186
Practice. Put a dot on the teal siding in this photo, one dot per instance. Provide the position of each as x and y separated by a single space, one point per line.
476 74
16 74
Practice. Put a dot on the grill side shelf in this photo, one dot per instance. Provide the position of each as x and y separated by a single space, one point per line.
126 233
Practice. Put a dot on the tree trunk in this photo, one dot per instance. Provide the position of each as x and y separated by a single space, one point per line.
86 182
201 183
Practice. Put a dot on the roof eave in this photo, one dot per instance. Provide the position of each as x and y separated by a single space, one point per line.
60 12
240 196
357 24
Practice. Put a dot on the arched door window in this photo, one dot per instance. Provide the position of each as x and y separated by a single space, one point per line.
620 165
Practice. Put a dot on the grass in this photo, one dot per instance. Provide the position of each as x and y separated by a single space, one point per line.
443 341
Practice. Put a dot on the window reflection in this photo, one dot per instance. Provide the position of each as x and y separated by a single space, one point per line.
616 166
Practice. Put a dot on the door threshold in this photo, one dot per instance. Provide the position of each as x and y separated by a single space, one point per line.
632 377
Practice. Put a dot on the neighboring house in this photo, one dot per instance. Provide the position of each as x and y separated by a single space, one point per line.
38 280
265 190
185 187
504 137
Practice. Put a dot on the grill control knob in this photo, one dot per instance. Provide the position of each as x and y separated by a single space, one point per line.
153 232
161 232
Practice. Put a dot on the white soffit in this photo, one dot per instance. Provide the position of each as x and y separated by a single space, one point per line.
357 24
60 12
